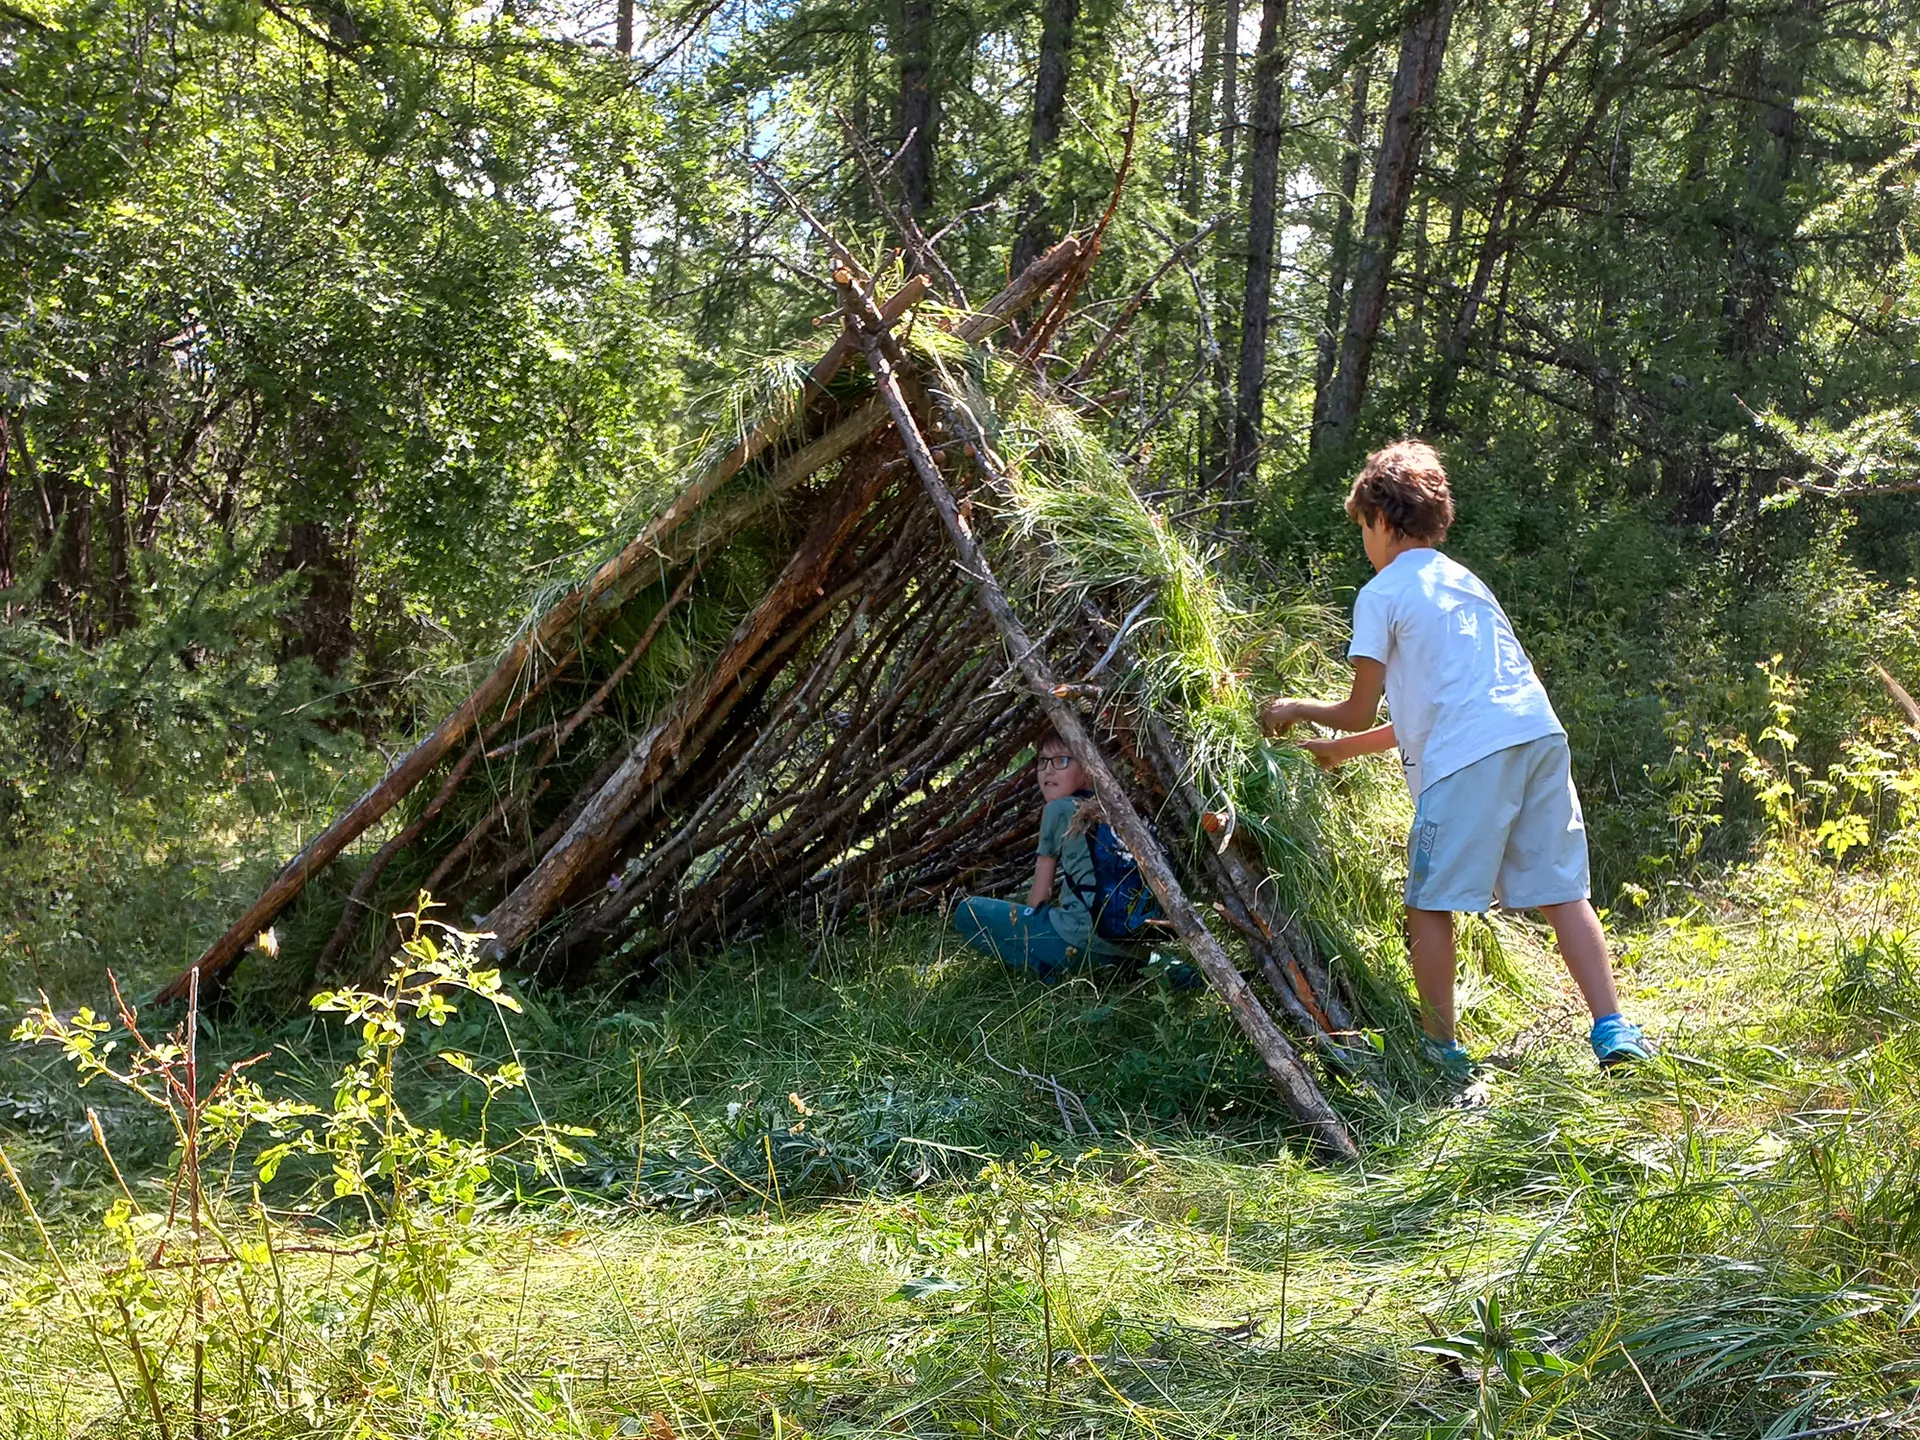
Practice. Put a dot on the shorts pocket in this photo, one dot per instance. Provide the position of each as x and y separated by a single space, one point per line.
1426 833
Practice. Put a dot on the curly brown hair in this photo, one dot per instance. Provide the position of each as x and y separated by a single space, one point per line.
1405 485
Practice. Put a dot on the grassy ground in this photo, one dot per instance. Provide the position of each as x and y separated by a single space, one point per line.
837 1192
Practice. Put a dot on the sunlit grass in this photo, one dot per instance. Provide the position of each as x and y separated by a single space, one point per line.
1723 1243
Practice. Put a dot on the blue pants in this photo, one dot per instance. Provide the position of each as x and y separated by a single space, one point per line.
1021 937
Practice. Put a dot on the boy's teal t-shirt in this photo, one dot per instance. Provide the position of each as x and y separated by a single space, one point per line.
1071 918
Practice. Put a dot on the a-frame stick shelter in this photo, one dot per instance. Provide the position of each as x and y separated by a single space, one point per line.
615 788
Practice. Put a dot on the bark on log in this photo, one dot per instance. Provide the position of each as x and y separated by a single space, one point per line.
687 840
720 522
556 734
1423 45
1302 982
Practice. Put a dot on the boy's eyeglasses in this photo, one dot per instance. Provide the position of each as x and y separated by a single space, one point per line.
1054 762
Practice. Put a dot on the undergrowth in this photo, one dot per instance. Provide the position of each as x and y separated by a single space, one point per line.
875 1187
866 1184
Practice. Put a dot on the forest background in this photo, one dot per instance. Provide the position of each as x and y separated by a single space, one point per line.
332 334
335 335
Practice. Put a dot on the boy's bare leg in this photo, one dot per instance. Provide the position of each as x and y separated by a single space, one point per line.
1583 945
1430 948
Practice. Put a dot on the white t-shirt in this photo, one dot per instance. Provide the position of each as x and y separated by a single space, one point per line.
1459 687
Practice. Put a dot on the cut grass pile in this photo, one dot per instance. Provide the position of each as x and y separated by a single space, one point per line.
836 1193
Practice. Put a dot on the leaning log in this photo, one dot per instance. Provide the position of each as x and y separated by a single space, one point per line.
1289 1074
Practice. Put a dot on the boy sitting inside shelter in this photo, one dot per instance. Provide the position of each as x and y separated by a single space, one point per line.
1495 813
1050 937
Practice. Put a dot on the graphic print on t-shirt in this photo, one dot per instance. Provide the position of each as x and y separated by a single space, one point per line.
1459 685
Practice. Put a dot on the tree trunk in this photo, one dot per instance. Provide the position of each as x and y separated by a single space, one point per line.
1500 233
1414 341
323 500
1341 250
1263 176
1200 111
919 104
594 837
1762 228
6 508
1423 46
1228 115
119 591
623 225
1057 20
1215 422
1619 186
322 629
70 510
1686 471
157 484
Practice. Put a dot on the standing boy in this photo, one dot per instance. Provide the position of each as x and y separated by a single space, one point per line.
1495 813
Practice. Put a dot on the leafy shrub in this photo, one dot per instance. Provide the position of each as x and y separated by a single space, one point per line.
213 1299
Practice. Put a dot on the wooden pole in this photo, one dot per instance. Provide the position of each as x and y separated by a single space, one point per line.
1296 1085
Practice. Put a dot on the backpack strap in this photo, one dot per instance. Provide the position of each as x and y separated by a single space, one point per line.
1091 901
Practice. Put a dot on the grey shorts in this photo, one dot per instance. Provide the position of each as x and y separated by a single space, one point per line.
1507 826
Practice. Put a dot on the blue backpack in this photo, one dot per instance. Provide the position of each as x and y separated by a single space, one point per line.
1122 905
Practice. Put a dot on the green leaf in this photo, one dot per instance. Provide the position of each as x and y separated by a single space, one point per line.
925 1287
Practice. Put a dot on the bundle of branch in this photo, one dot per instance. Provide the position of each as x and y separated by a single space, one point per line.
805 687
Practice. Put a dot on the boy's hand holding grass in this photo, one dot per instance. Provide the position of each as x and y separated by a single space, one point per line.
1356 714
1330 753
1277 716
1334 751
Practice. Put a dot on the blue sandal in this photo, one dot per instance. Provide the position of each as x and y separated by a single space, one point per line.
1616 1040
1449 1057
